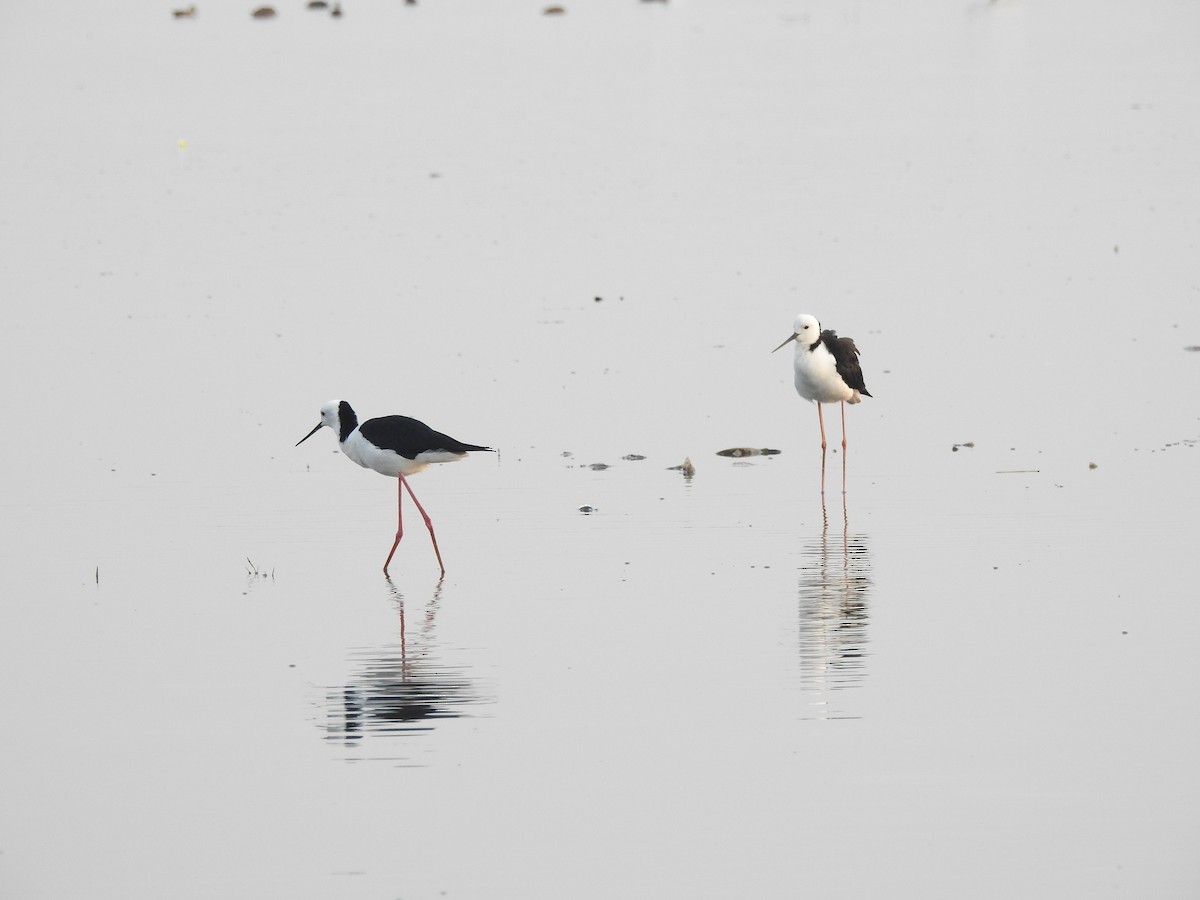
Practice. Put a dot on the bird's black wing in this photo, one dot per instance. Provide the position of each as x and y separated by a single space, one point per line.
408 436
845 356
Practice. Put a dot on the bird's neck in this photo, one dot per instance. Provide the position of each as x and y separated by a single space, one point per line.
347 421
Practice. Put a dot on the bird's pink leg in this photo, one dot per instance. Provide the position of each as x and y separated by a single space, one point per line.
821 419
843 447
428 523
399 522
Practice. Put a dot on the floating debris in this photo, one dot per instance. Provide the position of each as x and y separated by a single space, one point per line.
255 572
567 454
633 457
685 467
553 11
1093 465
1192 348
264 12
317 4
739 452
337 11
585 509
967 444
599 467
188 12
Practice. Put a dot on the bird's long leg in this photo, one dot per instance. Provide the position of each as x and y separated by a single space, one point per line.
843 447
399 521
821 419
428 523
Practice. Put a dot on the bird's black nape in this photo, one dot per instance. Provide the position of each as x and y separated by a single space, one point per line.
347 420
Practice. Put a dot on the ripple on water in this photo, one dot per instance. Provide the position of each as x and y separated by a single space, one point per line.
399 690
834 596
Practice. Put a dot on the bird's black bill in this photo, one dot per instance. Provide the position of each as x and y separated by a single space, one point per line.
310 434
785 343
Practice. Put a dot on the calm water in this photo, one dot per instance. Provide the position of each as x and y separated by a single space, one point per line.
576 239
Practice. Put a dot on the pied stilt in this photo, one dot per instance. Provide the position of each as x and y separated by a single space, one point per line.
827 371
395 446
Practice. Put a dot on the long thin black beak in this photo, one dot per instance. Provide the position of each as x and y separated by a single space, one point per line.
788 341
320 425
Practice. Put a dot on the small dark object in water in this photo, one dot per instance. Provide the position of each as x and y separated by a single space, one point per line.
1192 348
739 452
1093 465
633 457
337 11
599 467
685 467
264 12
585 509
317 4
553 11
188 12
967 444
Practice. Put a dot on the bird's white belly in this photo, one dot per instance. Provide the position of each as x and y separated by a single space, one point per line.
817 377
389 462
385 462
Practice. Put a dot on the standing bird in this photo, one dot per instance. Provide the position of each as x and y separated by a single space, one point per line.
827 371
394 446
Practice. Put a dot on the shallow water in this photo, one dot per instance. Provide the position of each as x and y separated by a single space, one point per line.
576 239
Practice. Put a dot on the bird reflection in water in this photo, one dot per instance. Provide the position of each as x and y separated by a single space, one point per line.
834 591
399 690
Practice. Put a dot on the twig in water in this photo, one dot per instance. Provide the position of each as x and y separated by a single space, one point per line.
254 571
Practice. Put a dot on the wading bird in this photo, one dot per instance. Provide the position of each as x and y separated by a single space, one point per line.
395 446
827 371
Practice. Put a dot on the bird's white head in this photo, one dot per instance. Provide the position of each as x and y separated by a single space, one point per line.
806 331
331 417
329 414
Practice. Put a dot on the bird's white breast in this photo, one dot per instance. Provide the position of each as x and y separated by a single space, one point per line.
817 377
